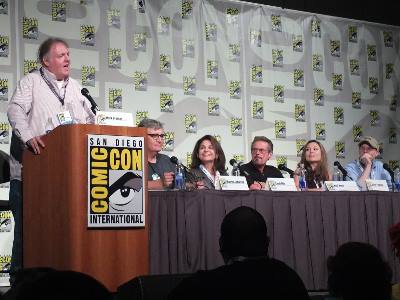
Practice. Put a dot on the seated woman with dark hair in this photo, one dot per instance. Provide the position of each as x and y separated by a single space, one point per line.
315 161
208 163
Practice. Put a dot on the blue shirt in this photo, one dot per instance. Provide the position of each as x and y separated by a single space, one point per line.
355 169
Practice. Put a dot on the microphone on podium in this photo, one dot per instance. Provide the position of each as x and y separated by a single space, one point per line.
86 93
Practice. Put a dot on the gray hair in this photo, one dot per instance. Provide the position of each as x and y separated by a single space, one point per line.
151 123
261 138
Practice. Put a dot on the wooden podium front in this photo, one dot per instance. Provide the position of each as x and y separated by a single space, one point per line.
55 209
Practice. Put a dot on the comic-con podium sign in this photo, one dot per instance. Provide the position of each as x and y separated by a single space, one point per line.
85 201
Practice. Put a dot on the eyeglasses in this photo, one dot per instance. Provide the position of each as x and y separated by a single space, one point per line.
156 136
262 151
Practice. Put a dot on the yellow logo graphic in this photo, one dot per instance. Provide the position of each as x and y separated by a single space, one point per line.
115 98
320 132
236 126
213 106
340 149
258 109
30 66
280 129
30 28
114 58
300 112
191 123
87 35
58 11
88 76
166 102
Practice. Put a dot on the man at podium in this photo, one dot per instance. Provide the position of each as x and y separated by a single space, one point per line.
42 100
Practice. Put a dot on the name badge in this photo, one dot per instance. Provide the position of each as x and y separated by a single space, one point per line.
64 118
281 184
337 186
237 183
377 185
155 176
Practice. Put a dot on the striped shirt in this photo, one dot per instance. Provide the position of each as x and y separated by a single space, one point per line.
33 110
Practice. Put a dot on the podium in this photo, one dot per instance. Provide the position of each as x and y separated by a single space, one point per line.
55 212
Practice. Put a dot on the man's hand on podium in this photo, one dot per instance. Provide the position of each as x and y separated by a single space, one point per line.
35 144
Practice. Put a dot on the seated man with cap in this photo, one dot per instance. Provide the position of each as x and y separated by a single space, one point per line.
366 166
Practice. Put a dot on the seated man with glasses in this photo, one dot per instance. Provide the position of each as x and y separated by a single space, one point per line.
256 171
161 169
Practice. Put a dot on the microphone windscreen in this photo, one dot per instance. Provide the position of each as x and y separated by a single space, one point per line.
336 163
233 162
85 91
281 166
174 159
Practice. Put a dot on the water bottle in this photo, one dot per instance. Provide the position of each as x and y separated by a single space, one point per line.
303 178
396 178
337 175
179 177
235 171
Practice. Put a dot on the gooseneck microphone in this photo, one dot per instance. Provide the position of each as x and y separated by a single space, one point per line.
93 104
343 170
175 161
282 167
190 177
234 163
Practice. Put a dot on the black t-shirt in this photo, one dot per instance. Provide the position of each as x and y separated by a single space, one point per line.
253 174
261 278
163 164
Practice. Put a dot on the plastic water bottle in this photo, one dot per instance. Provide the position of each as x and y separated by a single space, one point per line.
396 178
179 177
235 171
337 175
302 178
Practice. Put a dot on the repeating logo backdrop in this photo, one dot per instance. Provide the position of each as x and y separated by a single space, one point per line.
230 69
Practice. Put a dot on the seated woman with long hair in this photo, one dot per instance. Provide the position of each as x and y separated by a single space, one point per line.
315 161
208 163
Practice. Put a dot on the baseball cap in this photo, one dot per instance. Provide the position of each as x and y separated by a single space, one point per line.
370 141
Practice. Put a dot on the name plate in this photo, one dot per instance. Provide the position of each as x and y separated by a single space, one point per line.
344 186
281 184
377 185
236 183
114 118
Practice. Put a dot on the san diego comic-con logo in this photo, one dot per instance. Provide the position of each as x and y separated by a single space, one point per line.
115 181
5 221
3 89
4 45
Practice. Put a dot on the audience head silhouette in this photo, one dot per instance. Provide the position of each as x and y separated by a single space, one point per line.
358 272
248 272
243 234
61 285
